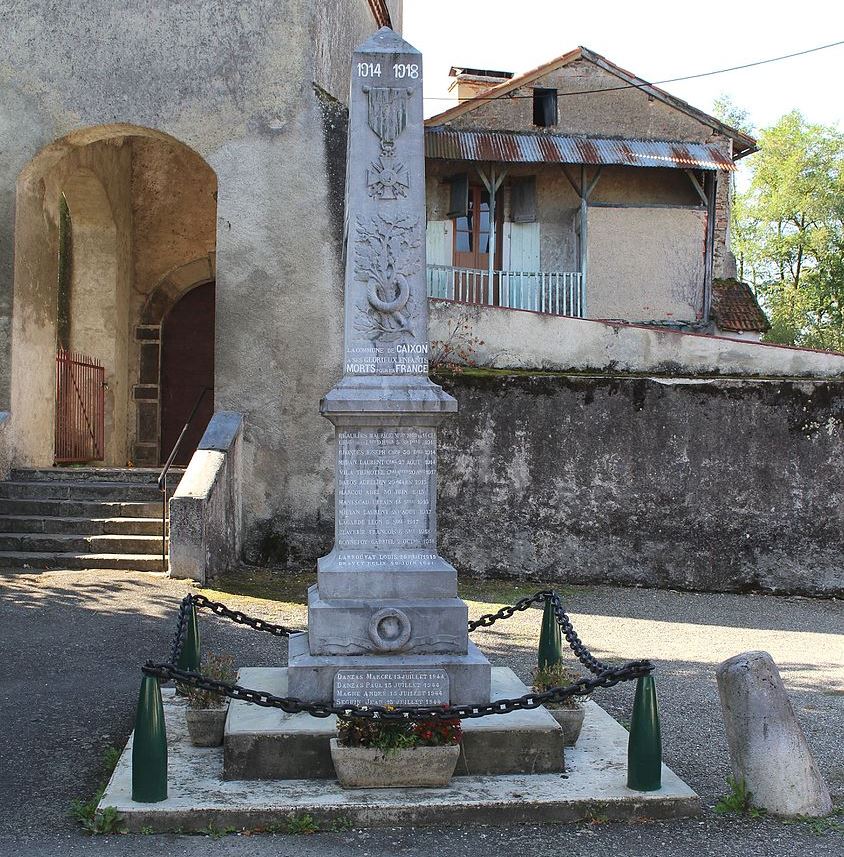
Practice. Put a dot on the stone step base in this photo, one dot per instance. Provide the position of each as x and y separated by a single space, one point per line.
143 475
80 508
266 743
77 543
594 785
47 561
81 526
79 490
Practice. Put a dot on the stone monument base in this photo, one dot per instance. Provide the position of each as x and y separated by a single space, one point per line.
311 677
267 744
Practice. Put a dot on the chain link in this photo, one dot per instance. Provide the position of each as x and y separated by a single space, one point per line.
241 618
604 675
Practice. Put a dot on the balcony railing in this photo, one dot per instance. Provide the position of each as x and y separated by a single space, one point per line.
551 292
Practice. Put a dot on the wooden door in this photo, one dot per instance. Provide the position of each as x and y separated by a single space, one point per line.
471 246
187 366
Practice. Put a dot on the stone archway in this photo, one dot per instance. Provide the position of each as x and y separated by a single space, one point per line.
140 204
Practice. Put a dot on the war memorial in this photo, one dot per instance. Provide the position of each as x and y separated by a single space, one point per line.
388 638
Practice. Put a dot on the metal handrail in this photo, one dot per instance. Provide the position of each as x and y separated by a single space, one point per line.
162 479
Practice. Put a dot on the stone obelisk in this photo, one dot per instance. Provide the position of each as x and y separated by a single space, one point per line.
385 625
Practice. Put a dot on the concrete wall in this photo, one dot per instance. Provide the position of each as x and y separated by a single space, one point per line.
645 264
714 485
206 510
5 457
518 339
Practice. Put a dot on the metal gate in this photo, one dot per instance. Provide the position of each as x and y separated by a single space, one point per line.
80 400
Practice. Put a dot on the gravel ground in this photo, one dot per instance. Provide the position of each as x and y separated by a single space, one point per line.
73 641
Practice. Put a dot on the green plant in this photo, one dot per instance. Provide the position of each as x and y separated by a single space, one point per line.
393 735
819 826
106 820
302 824
556 675
111 756
738 801
218 668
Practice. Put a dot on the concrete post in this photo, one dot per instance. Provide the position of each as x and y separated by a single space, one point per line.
768 749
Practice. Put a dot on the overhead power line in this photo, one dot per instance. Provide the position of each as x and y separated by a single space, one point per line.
657 82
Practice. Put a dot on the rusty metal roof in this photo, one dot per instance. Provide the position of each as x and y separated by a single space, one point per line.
522 148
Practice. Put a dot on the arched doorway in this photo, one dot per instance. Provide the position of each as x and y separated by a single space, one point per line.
187 372
103 217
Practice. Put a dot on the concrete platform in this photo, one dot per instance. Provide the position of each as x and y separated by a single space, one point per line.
592 786
267 744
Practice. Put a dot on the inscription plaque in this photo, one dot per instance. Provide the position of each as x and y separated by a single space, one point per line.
391 687
385 483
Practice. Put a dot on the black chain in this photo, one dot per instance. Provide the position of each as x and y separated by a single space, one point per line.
181 628
605 676
238 617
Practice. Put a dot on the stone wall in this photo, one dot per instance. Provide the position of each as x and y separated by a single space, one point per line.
710 485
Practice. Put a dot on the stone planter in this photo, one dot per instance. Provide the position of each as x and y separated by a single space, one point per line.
369 768
206 725
571 719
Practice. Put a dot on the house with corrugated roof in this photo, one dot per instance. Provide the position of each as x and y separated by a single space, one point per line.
579 189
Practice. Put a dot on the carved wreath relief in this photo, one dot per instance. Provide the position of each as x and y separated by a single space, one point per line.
385 250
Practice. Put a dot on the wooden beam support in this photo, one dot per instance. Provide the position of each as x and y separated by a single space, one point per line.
572 182
591 186
697 186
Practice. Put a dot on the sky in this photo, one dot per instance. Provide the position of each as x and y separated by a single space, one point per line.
655 41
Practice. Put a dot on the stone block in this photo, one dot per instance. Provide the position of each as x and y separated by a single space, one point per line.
378 626
768 749
311 676
266 743
149 363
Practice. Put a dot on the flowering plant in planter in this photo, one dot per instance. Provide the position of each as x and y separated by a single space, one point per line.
377 753
392 735
207 709
569 712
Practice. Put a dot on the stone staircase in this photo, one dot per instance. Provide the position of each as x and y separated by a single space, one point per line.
82 517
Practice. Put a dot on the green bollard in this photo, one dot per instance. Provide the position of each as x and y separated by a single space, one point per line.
550 638
644 747
189 657
149 747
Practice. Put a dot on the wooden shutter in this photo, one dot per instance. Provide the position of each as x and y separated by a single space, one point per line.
458 205
523 199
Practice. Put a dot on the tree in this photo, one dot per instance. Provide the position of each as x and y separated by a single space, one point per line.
725 109
788 232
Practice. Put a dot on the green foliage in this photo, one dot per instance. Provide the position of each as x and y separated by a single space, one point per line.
217 667
556 675
725 109
85 811
831 823
788 232
393 735
738 801
107 820
302 824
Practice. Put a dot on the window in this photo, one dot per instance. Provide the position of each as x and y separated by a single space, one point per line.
544 107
